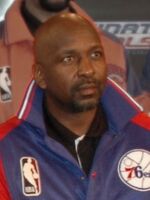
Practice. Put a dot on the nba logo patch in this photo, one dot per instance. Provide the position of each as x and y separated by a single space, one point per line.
5 84
31 184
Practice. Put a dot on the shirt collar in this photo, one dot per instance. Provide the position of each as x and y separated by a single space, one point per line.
58 131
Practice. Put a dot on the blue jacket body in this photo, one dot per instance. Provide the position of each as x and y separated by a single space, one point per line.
34 166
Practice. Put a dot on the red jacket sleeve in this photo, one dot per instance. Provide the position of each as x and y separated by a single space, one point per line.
4 191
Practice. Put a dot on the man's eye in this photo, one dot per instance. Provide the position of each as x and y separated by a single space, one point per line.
68 59
96 55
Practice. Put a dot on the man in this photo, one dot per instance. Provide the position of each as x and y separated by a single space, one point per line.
85 138
16 53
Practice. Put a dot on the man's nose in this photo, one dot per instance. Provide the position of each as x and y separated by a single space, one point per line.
86 68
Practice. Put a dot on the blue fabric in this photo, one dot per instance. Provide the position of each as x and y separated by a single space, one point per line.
60 176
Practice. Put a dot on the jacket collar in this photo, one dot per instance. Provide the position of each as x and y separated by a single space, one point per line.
118 106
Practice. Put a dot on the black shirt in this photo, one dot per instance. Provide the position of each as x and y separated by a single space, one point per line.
85 150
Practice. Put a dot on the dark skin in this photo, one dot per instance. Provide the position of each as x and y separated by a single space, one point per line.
70 67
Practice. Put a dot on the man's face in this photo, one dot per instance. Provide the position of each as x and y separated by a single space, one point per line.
74 70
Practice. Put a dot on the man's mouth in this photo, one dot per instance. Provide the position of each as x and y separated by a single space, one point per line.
88 89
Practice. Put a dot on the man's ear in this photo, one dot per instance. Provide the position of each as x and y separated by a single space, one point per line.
39 76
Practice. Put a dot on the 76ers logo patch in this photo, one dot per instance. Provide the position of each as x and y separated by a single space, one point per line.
134 169
31 184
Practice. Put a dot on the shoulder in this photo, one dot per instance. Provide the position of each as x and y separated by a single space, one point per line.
142 120
7 127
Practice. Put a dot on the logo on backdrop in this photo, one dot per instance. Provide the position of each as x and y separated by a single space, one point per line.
31 184
5 84
134 169
135 35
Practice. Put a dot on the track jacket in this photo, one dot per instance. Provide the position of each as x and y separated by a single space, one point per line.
34 166
16 59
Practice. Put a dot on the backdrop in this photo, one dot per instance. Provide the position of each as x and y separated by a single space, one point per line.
127 19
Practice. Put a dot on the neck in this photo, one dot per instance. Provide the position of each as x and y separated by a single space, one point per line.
78 123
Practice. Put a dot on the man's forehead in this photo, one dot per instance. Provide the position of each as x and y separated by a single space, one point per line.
65 22
64 30
67 39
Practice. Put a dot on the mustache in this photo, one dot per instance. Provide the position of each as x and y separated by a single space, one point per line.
86 83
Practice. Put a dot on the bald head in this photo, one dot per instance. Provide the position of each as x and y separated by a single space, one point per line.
70 64
57 31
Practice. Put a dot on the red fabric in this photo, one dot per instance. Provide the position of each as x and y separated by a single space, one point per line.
5 129
144 101
142 120
4 191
